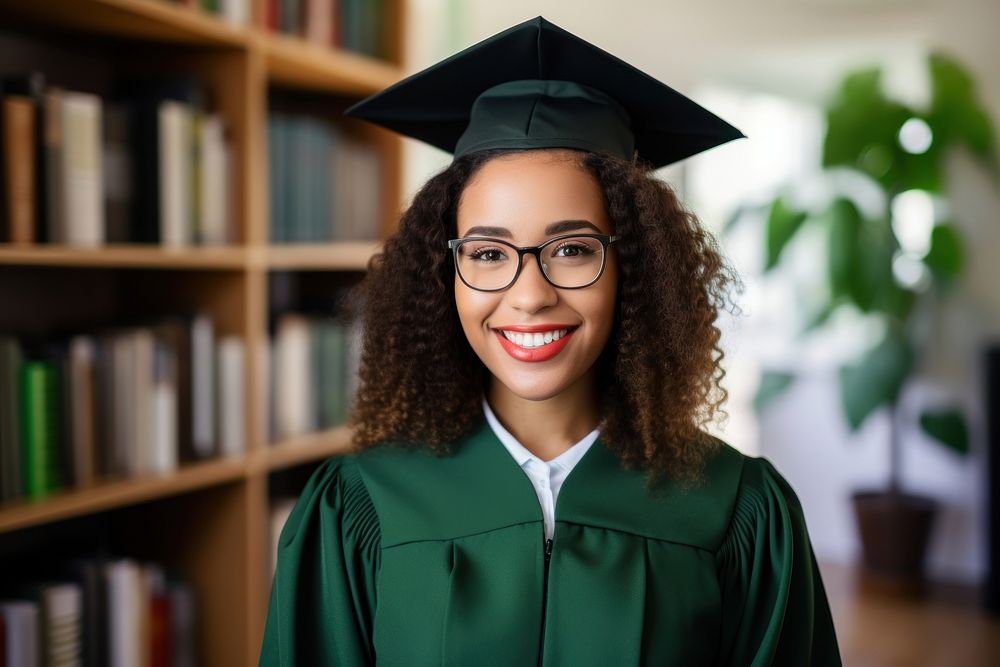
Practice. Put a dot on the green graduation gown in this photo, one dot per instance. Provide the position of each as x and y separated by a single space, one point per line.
405 558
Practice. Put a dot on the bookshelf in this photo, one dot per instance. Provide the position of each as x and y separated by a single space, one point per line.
207 519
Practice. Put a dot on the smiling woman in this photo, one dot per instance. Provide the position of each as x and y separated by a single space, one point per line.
532 481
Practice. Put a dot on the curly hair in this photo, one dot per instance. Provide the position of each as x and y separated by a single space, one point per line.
659 377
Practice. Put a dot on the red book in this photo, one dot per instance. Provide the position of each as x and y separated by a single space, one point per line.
160 632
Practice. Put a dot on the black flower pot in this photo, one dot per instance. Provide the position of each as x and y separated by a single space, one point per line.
894 528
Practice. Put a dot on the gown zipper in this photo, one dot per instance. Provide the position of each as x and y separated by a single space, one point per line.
547 550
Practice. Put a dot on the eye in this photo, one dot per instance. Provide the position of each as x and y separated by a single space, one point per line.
573 248
486 254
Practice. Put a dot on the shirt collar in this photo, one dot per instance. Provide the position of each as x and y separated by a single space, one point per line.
522 455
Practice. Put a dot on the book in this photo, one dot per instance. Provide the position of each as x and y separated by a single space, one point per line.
17 153
11 357
23 632
79 170
231 399
39 387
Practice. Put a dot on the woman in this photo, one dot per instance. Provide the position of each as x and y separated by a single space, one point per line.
531 482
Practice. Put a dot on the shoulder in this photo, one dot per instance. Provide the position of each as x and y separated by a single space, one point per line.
335 494
764 502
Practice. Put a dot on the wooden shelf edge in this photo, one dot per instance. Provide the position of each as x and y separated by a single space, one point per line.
304 449
294 61
340 255
125 256
115 494
155 19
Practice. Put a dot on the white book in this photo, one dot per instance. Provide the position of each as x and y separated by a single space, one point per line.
24 640
293 390
124 599
62 611
164 409
213 200
232 380
176 167
237 12
203 376
82 171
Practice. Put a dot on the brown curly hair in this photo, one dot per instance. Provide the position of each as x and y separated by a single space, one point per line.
659 376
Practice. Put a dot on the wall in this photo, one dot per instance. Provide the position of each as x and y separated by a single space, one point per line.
798 49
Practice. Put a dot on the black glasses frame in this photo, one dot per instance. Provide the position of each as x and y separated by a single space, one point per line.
605 239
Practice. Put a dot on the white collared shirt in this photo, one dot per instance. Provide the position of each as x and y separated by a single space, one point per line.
546 476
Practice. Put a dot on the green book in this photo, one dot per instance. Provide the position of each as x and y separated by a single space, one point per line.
40 424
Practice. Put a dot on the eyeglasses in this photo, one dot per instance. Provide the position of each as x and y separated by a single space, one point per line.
571 261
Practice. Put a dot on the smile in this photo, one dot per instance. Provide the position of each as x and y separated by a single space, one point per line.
534 346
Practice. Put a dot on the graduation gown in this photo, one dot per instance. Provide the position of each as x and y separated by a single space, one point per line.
406 558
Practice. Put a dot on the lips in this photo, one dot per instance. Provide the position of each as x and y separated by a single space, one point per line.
534 354
536 328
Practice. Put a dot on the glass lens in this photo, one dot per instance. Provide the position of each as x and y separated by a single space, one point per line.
573 261
568 262
486 264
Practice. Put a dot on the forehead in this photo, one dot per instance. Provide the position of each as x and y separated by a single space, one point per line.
527 192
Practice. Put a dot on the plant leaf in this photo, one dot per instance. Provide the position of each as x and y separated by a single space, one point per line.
875 378
772 385
862 125
947 427
945 257
782 223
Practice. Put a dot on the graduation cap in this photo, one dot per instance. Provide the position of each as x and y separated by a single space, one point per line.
535 85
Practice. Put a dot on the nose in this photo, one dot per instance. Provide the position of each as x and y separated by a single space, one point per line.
531 291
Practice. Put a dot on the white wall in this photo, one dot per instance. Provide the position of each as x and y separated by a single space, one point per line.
798 49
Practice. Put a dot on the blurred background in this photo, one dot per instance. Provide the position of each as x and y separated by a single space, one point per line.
182 206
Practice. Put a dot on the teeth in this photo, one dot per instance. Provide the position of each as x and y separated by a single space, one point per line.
534 340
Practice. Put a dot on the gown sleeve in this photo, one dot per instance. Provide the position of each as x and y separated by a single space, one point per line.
323 594
774 605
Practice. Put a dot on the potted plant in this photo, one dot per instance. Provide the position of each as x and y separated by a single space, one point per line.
900 150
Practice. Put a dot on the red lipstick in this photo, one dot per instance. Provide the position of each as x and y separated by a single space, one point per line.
541 353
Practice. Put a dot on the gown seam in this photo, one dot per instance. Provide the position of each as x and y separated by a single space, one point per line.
707 550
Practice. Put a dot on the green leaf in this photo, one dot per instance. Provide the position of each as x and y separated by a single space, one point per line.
772 385
845 226
875 378
956 116
945 257
782 223
862 125
947 427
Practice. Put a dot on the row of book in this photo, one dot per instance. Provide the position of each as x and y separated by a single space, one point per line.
325 184
115 612
149 163
313 364
233 12
353 25
116 403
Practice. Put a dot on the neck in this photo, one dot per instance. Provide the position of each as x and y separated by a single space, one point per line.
548 427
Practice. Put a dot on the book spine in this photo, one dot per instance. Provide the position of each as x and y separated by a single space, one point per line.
39 383
19 168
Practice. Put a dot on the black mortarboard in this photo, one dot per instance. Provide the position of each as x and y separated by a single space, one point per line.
535 85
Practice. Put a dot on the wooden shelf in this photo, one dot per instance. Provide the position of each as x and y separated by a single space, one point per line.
293 61
108 495
125 256
341 256
304 449
136 19
220 506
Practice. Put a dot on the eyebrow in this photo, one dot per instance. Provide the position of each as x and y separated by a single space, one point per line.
554 228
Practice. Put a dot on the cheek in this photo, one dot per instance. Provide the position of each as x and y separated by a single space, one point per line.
472 308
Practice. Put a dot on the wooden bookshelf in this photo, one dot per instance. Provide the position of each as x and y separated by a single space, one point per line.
209 520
